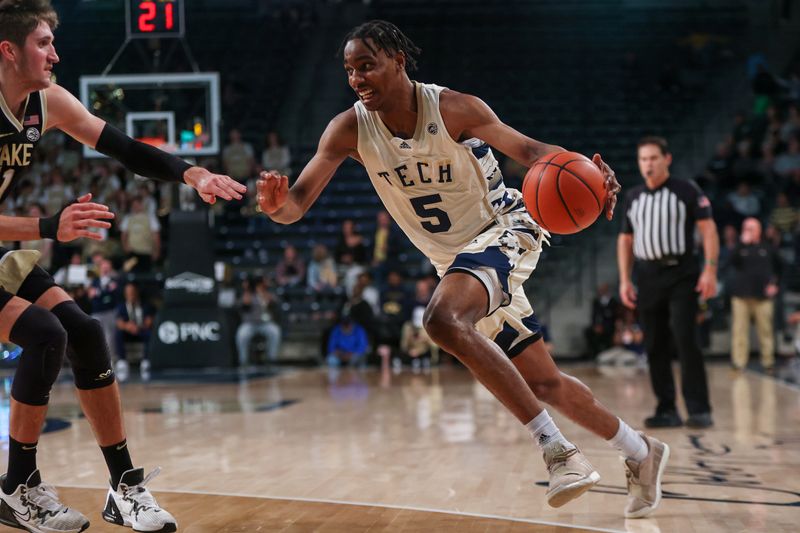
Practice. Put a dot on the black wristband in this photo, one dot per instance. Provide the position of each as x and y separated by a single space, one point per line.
48 226
141 158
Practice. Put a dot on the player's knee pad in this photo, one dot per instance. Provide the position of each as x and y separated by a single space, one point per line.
44 342
88 351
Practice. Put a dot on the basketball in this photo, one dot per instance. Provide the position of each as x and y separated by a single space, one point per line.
564 192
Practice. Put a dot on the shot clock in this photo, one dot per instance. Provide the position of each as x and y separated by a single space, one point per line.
154 18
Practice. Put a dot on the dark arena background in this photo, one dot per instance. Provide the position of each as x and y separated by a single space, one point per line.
230 378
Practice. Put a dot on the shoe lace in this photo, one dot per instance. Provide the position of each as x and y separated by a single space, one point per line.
138 495
42 499
560 458
632 473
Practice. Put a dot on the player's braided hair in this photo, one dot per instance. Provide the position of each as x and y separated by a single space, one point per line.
20 17
385 36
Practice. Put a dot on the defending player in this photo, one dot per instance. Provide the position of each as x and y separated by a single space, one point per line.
426 150
37 314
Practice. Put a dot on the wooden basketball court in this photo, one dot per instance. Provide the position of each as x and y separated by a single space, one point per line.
312 451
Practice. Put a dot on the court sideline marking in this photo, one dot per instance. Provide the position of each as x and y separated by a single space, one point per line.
366 504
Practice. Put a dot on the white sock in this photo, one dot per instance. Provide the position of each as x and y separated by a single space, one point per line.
544 431
629 442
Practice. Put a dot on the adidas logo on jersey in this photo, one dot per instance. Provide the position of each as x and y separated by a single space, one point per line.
405 145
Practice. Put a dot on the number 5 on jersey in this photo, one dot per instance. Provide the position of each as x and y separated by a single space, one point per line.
422 207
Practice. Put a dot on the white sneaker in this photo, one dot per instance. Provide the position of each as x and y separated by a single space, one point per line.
132 505
144 370
34 507
122 370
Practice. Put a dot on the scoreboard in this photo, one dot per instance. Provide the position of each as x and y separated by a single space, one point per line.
154 18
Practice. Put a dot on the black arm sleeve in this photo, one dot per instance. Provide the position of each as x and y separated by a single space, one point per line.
139 157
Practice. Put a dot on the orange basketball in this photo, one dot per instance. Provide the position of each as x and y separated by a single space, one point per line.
564 192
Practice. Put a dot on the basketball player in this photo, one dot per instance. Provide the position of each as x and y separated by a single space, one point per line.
37 314
427 152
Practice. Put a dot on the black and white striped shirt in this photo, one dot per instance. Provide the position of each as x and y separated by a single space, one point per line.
662 220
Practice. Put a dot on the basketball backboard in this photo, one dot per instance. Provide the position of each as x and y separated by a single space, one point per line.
179 113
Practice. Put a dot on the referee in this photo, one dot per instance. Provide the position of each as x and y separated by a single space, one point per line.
658 235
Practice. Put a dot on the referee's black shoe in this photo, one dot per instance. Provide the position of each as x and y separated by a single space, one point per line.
669 419
699 421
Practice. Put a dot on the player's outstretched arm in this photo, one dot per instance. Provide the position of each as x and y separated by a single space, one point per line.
72 222
468 116
285 205
66 113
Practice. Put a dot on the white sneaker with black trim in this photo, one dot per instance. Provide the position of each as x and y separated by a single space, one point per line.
35 507
131 504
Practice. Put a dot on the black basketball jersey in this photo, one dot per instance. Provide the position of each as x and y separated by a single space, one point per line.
18 139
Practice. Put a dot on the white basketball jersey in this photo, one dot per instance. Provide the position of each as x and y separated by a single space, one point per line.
440 192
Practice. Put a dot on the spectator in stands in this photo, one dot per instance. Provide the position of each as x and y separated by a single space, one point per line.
347 344
745 167
765 87
260 311
628 333
351 242
72 274
69 158
395 311
788 162
141 237
26 195
360 307
791 128
104 293
415 343
772 236
730 240
772 125
784 216
43 246
627 342
765 165
276 155
321 270
291 270
57 194
605 311
368 292
741 127
134 324
348 273
756 271
382 245
720 164
237 158
744 202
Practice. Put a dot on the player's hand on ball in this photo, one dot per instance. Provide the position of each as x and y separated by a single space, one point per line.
77 218
612 185
210 186
272 191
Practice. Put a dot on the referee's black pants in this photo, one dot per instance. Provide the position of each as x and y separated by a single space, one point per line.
668 308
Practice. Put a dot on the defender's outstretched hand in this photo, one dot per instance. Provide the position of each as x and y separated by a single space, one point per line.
76 219
272 191
210 186
612 185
